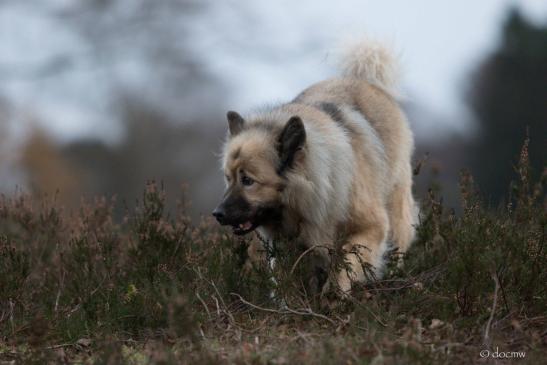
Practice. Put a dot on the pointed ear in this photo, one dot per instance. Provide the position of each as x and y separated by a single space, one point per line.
235 122
290 141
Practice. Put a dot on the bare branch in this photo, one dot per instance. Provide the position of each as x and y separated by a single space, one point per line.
286 310
492 311
305 253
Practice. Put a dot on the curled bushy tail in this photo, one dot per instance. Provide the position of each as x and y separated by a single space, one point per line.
373 62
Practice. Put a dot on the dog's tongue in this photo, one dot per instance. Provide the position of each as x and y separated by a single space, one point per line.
246 225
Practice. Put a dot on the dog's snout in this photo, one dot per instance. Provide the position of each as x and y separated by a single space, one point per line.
219 214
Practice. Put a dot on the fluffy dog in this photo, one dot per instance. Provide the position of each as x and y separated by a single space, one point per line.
334 162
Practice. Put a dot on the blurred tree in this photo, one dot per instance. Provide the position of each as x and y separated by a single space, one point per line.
154 147
145 49
11 175
165 112
509 97
139 69
48 171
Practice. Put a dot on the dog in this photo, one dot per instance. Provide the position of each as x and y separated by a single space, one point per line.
334 162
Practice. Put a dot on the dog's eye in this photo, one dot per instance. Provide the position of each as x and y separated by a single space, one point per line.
247 181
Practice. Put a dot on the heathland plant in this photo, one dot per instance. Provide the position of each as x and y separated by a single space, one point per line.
156 287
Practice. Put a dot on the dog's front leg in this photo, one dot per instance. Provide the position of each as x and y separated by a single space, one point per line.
365 248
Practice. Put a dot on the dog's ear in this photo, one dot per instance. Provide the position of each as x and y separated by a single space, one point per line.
235 122
290 141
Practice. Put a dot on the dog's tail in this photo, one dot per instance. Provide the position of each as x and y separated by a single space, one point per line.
373 62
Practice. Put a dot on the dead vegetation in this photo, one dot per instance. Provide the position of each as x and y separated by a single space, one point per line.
155 288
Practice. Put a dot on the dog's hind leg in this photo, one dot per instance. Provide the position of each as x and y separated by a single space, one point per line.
403 217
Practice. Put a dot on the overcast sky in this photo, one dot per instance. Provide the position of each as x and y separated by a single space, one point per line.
439 43
265 51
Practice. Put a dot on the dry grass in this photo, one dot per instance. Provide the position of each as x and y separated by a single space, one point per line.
155 288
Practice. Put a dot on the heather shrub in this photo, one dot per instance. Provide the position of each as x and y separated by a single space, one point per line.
156 287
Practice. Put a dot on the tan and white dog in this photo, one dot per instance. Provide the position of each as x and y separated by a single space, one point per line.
334 162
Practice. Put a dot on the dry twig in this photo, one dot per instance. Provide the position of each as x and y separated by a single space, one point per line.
286 310
305 253
493 310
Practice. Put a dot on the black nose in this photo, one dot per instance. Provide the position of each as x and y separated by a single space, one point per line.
218 213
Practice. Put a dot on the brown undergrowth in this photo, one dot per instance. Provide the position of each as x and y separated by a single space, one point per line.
156 288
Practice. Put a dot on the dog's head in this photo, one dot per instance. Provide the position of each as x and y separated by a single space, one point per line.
256 158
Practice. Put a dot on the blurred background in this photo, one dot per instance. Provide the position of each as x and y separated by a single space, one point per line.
99 96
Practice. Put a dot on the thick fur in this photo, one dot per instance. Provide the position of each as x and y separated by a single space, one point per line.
351 177
371 61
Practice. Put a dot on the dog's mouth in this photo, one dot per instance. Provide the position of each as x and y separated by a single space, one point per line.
243 224
243 228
